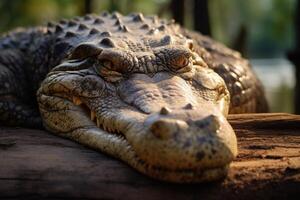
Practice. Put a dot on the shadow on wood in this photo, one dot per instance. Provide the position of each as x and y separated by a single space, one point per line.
35 164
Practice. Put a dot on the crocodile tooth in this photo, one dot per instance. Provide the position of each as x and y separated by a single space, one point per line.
104 127
98 123
77 101
113 130
109 129
93 115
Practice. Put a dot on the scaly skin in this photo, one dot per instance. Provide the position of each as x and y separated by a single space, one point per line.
141 89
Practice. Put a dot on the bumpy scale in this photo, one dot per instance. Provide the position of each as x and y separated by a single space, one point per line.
139 88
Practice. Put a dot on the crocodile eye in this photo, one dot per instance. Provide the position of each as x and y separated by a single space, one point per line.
180 62
107 64
183 61
107 70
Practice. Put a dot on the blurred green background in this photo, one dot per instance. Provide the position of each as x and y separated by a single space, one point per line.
261 29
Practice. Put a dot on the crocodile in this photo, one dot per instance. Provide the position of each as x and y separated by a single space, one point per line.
140 88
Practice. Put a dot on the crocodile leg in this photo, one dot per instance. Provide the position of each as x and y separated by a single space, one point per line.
16 113
15 107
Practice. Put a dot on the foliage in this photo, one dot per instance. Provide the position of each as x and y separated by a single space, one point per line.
282 99
268 24
35 12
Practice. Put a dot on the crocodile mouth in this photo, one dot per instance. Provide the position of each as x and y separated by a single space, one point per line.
181 174
163 126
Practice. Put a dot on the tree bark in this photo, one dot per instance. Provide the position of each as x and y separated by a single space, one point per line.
88 6
294 56
177 8
36 164
201 17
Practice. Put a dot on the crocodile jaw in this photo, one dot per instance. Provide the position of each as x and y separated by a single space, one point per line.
166 126
191 153
184 151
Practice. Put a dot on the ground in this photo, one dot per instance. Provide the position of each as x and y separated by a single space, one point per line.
36 164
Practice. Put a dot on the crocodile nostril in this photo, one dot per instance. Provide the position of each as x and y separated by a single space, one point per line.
210 122
165 128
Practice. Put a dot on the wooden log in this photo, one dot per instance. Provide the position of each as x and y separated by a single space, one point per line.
36 164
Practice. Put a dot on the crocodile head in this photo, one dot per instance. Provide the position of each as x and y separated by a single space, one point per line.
147 99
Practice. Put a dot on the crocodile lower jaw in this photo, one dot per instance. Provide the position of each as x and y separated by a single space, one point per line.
189 175
193 175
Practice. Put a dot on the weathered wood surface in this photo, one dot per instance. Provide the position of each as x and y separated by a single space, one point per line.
35 164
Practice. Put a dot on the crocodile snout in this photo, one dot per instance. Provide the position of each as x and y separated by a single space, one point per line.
170 120
189 137
165 128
